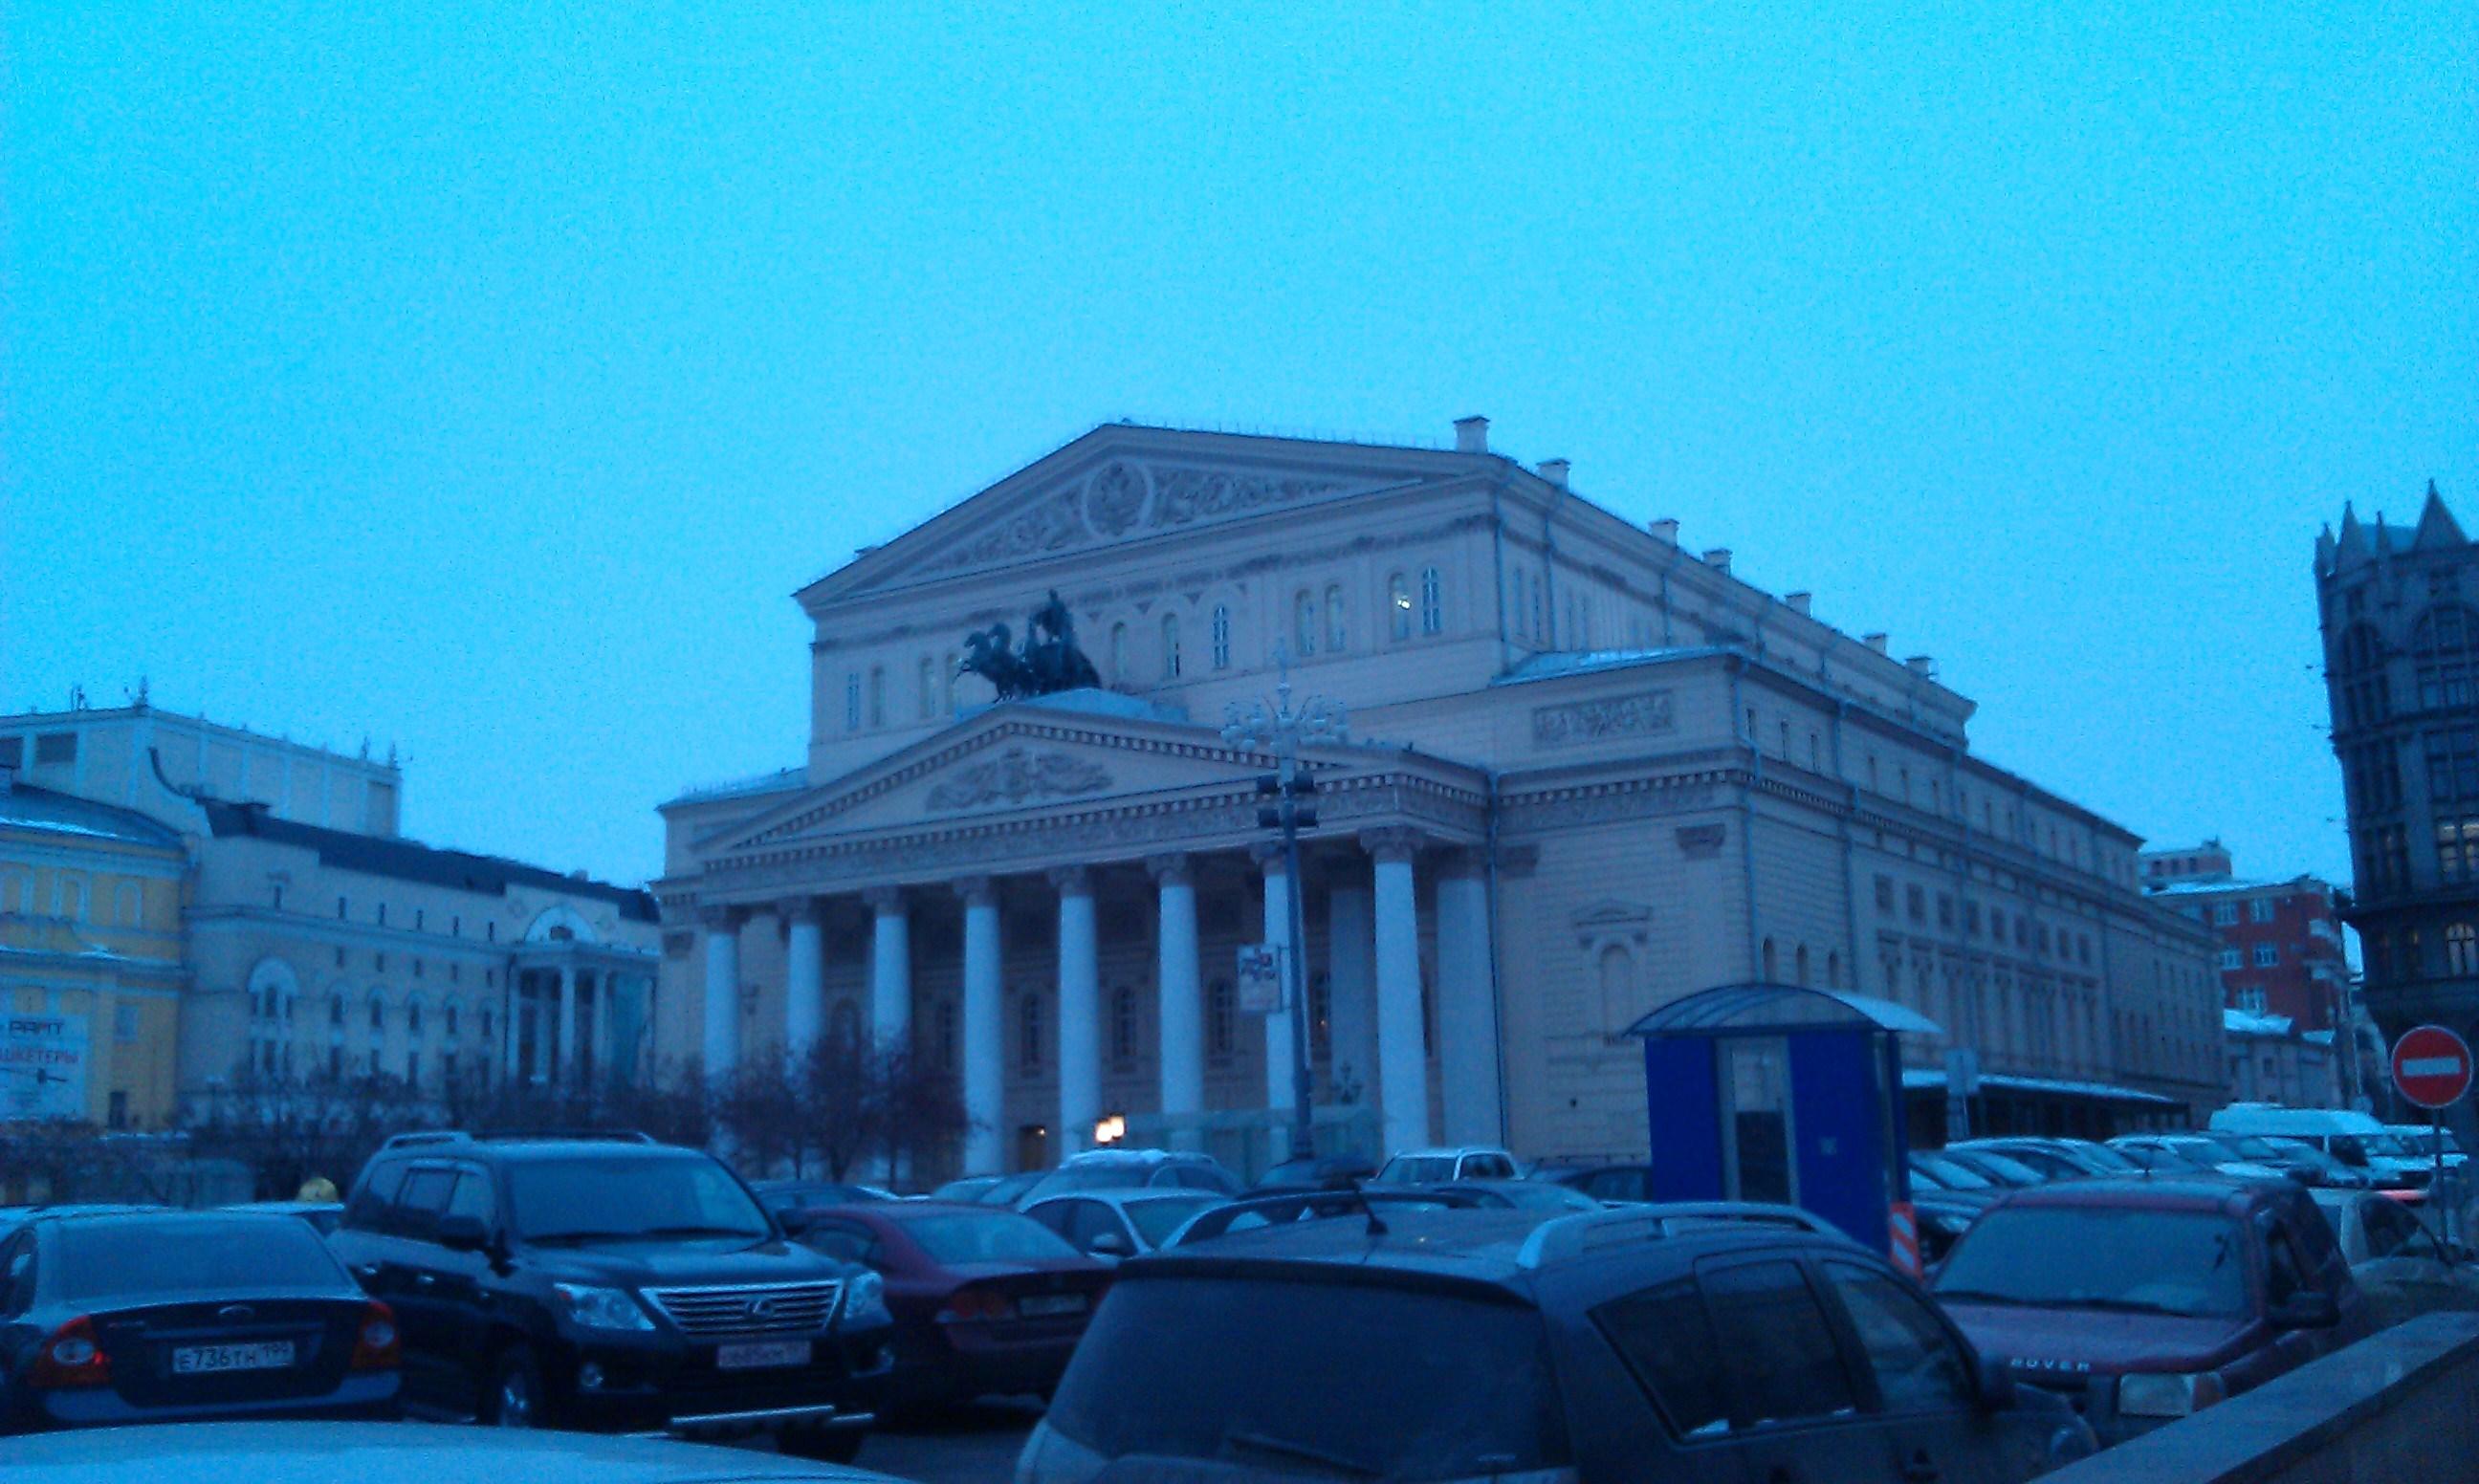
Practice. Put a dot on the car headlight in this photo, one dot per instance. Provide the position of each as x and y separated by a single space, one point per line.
2158 1393
592 1308
865 1297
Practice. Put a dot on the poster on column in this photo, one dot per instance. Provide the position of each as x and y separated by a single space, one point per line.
42 1067
1261 979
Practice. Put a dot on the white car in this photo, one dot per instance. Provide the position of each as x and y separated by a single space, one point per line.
1436 1166
2355 1139
2192 1151
2395 1258
1115 1225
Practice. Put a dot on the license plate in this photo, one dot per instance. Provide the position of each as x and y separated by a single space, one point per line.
199 1360
1041 1305
758 1355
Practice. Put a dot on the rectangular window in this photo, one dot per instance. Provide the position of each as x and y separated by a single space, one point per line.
878 695
55 746
1884 893
1433 608
2224 913
2457 851
2267 956
1915 903
851 701
343 908
382 918
2230 958
2259 909
12 751
1945 911
125 1023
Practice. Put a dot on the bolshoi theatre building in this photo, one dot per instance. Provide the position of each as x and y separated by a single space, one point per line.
1586 770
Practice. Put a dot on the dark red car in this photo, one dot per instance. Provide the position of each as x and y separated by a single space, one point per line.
2146 1299
987 1302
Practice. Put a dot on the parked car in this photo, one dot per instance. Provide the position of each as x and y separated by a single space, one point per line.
2150 1298
1319 1171
1436 1166
1279 1207
396 1453
1518 1195
2420 1141
2398 1262
164 1315
2303 1162
1602 1182
2059 1159
1932 1173
1134 1169
1624 1343
12 1217
611 1285
2007 1172
2355 1139
1113 1225
985 1302
2194 1154
1943 1216
323 1216
989 1189
786 1196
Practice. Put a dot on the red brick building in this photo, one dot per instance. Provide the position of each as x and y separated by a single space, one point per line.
2280 947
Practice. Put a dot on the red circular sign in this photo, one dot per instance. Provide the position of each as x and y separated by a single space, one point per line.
2432 1066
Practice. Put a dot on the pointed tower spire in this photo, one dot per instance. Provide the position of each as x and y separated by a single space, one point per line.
2437 528
2352 545
2324 551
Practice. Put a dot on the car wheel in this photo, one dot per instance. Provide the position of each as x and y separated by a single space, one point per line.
824 1445
516 1396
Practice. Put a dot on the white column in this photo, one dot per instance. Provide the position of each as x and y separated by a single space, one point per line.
598 1009
1350 939
1402 1058
721 992
565 1071
1181 1013
890 974
1280 1082
984 1027
512 1019
1466 1005
1080 997
804 974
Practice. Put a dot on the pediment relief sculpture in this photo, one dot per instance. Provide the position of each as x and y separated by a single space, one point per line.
1121 497
1018 775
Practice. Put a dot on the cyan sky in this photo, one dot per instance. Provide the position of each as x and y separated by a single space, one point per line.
483 379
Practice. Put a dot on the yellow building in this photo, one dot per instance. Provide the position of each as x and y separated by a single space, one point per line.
90 959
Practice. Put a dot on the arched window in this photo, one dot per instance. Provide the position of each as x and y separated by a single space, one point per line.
378 1013
1398 607
1337 637
2461 949
1618 988
1304 625
486 1025
843 1023
1222 637
1800 973
926 680
336 1010
448 1016
1029 1033
2440 649
1432 603
1221 1013
413 1016
947 686
1170 646
1118 654
1123 1025
1772 962
1833 971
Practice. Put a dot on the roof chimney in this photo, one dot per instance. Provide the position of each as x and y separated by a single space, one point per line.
1921 665
1875 642
1798 601
1719 558
1472 434
1664 529
1555 472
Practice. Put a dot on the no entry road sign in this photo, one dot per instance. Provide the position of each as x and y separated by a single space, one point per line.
2432 1066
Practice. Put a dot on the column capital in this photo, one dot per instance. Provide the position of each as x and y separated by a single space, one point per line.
1173 869
885 901
1395 844
722 919
809 910
1072 881
976 890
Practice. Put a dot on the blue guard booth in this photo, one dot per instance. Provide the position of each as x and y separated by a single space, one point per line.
1781 1094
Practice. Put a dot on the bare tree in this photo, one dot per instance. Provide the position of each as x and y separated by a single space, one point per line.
842 1107
288 1132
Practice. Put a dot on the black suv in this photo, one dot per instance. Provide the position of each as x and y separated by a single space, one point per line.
610 1284
1696 1343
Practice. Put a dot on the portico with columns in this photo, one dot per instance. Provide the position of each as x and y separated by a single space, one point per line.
1050 903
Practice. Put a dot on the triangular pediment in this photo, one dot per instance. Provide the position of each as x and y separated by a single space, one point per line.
1009 760
1124 483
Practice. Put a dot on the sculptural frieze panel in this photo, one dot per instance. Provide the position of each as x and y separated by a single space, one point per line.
1601 718
1018 775
1123 496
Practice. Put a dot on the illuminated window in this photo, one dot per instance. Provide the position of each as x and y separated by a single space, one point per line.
1398 607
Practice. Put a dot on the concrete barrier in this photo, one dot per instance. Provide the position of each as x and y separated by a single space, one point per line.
2403 1404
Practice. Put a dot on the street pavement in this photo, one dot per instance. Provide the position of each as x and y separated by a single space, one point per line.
975 1444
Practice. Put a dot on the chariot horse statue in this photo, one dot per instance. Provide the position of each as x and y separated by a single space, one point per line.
1049 662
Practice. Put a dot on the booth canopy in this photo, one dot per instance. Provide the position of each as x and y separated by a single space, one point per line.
1762 1009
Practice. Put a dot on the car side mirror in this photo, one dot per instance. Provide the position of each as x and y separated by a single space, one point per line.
2310 1309
1109 1245
462 1232
1995 1390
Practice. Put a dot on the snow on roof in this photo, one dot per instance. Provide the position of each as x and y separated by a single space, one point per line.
2239 1022
1558 663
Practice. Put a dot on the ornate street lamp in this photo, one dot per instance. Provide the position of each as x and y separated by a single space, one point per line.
1284 728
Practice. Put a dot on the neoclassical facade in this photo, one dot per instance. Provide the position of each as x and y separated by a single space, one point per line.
1587 770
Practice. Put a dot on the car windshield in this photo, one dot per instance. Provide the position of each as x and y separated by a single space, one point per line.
96 1261
1417 1169
986 1237
2246 1146
1951 1174
1155 1220
2104 1157
2101 1257
2008 1168
586 1199
1333 1380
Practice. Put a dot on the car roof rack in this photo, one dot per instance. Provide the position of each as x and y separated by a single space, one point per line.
427 1139
1588 1231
